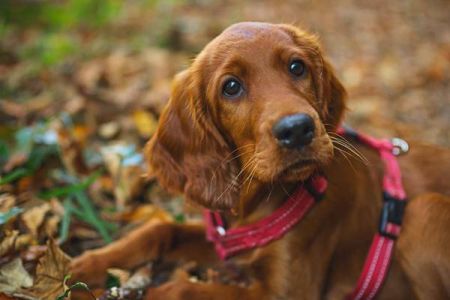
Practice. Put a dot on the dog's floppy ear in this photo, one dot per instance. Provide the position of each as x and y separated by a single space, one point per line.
187 153
331 94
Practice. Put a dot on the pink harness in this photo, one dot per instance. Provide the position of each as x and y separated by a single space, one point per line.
229 242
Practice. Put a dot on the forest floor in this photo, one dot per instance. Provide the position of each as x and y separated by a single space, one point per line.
82 84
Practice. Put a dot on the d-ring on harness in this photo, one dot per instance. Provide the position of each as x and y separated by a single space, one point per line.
229 242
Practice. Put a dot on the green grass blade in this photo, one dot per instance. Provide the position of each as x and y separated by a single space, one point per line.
91 215
35 160
65 222
71 189
14 175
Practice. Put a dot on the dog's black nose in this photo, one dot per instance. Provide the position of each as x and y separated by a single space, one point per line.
294 131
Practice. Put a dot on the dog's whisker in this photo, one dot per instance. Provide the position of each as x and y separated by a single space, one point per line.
236 150
250 177
248 165
344 143
345 154
235 178
270 193
344 149
230 160
239 155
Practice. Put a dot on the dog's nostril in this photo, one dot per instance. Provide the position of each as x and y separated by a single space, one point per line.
307 129
294 131
285 135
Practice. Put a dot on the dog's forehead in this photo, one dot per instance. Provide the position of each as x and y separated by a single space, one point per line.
246 32
246 39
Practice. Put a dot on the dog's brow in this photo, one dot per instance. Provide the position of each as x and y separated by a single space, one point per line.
236 66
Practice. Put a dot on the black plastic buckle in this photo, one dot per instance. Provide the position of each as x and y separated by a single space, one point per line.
392 212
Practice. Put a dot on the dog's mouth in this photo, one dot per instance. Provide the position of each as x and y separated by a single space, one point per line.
301 163
299 169
290 165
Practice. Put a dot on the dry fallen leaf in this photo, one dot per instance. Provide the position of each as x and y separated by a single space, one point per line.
125 166
34 252
7 201
51 225
109 130
120 67
5 297
8 242
130 185
57 207
89 74
16 160
12 241
13 277
50 273
71 149
80 134
12 108
145 123
34 217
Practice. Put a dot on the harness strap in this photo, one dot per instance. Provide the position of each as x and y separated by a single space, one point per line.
377 262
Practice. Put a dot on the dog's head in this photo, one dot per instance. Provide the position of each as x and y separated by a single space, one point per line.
260 101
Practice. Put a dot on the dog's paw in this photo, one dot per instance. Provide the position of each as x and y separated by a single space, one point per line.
89 268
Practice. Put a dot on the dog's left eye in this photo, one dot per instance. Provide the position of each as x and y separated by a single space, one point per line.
232 88
297 68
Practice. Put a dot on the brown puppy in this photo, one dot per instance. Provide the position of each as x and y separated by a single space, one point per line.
217 143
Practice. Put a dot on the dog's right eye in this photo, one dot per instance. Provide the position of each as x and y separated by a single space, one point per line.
232 88
297 68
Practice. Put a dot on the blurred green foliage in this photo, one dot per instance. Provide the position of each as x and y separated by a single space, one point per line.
53 23
46 34
57 15
51 48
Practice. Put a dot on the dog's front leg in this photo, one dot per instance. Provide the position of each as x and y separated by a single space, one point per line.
150 241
